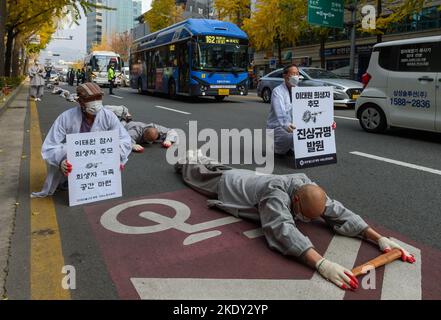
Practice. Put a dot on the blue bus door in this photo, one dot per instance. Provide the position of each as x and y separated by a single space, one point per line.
151 70
183 67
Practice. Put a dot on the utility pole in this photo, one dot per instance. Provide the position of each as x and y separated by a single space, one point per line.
353 23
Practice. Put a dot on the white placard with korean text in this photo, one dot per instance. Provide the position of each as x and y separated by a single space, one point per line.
95 159
313 116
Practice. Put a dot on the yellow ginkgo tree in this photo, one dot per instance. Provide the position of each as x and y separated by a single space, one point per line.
276 22
233 10
163 14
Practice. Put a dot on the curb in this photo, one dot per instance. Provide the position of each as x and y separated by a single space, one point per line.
10 98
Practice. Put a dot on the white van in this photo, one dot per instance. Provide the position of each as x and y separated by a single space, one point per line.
402 86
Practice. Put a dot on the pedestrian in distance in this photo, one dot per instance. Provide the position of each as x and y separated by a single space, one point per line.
36 73
111 76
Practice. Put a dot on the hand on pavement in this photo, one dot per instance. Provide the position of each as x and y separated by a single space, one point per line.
166 144
387 245
137 148
121 167
340 276
334 125
291 128
65 167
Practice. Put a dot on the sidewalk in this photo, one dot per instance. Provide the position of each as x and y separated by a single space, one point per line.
12 118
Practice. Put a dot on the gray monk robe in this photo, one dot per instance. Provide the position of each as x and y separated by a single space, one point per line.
266 198
136 131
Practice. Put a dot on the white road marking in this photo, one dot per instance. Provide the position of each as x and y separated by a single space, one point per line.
402 281
396 162
342 250
197 237
346 118
170 109
109 219
255 233
112 95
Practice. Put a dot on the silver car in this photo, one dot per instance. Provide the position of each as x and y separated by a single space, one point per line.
346 91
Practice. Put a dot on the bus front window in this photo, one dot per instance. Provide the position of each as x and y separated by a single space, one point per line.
101 63
221 57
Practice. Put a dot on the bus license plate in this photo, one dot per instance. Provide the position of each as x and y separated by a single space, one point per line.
224 92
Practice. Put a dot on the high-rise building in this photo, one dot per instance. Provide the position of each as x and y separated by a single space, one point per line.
198 8
104 23
94 25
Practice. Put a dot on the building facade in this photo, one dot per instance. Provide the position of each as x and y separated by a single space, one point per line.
337 47
104 23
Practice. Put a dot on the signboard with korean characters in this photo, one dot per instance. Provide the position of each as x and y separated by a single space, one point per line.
95 159
313 117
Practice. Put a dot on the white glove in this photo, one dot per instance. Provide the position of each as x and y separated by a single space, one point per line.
65 167
137 148
337 274
387 245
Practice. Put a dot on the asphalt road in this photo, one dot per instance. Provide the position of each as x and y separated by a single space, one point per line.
403 199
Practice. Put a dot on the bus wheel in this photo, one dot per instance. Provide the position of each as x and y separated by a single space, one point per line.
219 98
172 89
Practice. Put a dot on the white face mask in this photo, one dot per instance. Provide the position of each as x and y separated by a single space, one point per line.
294 80
93 107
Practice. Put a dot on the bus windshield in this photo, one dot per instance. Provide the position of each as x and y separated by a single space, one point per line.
220 57
101 63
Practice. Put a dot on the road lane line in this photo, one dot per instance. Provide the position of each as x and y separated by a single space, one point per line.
170 109
112 95
399 163
346 118
46 252
402 281
342 250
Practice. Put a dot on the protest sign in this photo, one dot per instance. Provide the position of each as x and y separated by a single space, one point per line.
313 116
95 160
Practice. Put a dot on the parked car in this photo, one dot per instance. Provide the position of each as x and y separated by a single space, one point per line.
54 77
345 91
402 86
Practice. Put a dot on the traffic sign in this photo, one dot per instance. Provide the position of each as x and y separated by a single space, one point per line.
326 13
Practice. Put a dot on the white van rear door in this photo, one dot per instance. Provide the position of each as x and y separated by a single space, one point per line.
412 87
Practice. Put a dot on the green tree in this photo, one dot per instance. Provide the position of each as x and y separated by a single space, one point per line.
26 17
3 15
163 13
233 10
390 12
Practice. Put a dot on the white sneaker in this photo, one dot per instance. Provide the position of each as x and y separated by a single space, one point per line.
39 99
35 99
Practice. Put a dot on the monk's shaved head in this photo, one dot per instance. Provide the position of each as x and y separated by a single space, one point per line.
311 200
151 134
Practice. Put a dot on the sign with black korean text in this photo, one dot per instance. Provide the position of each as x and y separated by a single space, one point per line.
313 116
95 159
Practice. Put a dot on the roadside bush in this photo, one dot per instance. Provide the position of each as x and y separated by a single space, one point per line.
12 82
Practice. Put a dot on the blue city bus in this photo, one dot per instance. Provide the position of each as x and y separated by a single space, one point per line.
195 57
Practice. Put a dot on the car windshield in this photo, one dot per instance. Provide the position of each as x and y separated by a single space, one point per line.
100 63
320 74
221 57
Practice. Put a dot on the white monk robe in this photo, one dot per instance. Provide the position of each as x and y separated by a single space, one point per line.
54 146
